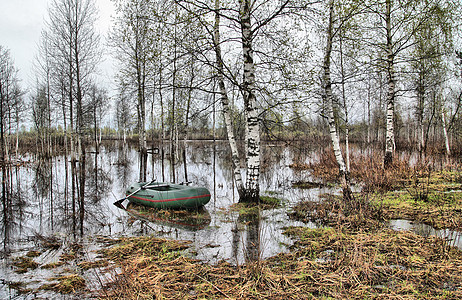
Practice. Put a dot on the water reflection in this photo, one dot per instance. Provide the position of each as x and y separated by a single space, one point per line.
181 219
246 237
42 199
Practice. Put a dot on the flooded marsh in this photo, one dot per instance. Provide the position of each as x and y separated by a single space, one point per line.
267 251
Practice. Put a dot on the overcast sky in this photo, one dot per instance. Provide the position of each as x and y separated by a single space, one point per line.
21 22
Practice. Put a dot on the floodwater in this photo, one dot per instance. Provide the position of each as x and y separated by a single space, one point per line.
40 209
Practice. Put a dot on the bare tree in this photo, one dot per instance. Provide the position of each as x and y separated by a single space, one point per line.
132 39
10 99
124 113
97 106
74 45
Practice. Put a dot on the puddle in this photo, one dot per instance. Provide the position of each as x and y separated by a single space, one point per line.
453 238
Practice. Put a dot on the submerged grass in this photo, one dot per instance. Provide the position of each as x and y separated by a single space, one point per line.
66 284
23 264
440 209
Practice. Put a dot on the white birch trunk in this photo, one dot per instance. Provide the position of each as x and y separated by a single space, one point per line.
389 135
225 103
445 132
347 148
345 107
420 114
421 135
250 102
328 99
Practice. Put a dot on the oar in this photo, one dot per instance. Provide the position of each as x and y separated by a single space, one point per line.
118 203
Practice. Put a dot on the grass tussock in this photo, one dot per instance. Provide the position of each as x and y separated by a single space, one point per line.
66 284
24 264
33 253
87 265
357 214
268 202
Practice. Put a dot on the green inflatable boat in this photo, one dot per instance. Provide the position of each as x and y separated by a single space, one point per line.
167 195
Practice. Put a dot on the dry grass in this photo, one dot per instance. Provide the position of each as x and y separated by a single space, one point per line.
66 284
359 214
24 263
324 263
383 265
366 169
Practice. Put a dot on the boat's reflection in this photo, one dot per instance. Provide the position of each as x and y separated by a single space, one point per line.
191 220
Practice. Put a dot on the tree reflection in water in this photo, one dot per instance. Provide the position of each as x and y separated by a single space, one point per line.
37 201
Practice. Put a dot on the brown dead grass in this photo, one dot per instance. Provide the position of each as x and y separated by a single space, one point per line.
323 263
366 169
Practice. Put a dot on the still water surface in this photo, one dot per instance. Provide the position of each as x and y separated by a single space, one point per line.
40 207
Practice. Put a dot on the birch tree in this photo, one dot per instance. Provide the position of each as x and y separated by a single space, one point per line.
397 24
434 41
328 99
252 191
252 23
225 104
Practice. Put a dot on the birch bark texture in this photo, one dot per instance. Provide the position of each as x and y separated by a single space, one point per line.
445 132
389 134
252 191
329 102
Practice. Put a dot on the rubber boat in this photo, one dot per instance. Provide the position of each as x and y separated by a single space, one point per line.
167 195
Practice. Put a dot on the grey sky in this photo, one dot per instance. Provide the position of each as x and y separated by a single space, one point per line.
21 22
